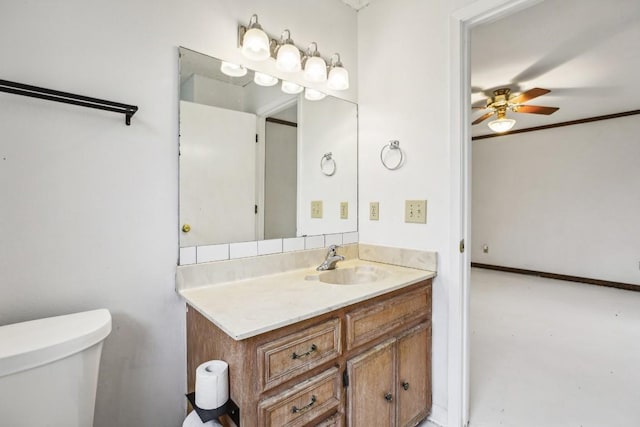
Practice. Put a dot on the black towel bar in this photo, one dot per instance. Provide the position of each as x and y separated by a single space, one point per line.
68 98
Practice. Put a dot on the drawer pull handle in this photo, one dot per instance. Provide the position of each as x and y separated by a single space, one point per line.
296 410
388 397
300 356
405 385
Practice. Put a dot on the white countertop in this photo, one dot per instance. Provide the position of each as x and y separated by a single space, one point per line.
249 307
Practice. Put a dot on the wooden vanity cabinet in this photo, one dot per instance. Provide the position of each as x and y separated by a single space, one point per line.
390 383
367 364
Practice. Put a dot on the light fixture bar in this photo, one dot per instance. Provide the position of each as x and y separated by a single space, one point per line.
274 43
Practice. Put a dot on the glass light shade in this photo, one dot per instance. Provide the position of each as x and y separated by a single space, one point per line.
313 95
338 78
288 58
264 79
315 69
233 70
291 88
501 125
255 45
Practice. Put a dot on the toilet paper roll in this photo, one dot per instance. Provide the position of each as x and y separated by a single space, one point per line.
212 384
193 420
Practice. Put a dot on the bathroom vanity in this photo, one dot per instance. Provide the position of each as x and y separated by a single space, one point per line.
302 351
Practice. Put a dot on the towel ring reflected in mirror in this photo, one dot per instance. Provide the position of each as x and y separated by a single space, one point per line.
328 164
393 145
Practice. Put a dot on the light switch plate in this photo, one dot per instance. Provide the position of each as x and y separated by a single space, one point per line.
344 210
374 211
415 211
316 209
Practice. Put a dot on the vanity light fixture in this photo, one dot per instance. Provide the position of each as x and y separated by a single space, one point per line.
291 88
264 79
288 55
258 45
254 41
313 95
233 70
501 124
315 68
338 75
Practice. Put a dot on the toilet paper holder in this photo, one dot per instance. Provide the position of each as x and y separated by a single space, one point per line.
230 408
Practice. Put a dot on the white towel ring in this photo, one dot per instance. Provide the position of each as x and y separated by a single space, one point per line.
392 145
328 164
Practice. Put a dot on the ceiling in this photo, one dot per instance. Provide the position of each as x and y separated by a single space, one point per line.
587 52
356 4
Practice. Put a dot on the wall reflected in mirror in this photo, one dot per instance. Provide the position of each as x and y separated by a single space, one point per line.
253 158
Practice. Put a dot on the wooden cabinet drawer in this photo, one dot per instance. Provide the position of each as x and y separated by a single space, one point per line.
336 420
303 403
368 323
292 355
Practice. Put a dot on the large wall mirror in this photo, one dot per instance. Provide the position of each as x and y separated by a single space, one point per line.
254 159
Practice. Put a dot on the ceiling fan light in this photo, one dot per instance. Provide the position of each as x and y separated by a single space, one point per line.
501 125
232 70
262 79
291 88
313 95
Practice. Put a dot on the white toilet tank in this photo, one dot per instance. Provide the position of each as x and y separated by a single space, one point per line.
49 370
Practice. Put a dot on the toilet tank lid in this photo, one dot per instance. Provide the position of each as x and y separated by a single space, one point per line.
34 343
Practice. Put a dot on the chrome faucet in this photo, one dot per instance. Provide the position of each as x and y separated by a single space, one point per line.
331 259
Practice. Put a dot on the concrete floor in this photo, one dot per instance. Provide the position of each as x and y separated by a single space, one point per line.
549 353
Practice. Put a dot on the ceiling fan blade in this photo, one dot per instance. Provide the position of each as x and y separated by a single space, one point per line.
530 94
535 109
483 118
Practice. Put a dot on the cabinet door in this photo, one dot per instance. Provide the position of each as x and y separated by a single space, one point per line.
414 375
371 389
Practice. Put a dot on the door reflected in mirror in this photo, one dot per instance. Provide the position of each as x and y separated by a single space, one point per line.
253 158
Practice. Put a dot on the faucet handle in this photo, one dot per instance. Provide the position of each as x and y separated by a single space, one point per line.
332 250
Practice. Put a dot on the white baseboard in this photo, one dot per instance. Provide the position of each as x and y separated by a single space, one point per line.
437 417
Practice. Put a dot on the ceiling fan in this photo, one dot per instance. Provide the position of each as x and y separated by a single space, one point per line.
502 100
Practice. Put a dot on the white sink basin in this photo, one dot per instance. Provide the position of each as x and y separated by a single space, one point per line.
350 276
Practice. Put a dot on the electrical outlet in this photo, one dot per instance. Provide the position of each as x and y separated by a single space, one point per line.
374 211
344 210
316 209
415 211
485 248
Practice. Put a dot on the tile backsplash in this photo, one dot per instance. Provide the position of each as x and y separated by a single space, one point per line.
210 273
227 251
228 270
210 253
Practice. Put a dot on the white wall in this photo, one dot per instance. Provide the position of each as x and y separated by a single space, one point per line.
562 200
207 91
327 126
90 206
403 51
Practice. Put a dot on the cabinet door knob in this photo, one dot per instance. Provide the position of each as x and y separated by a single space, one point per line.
388 397
186 228
405 385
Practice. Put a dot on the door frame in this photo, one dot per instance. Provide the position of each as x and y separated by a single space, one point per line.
261 131
461 22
